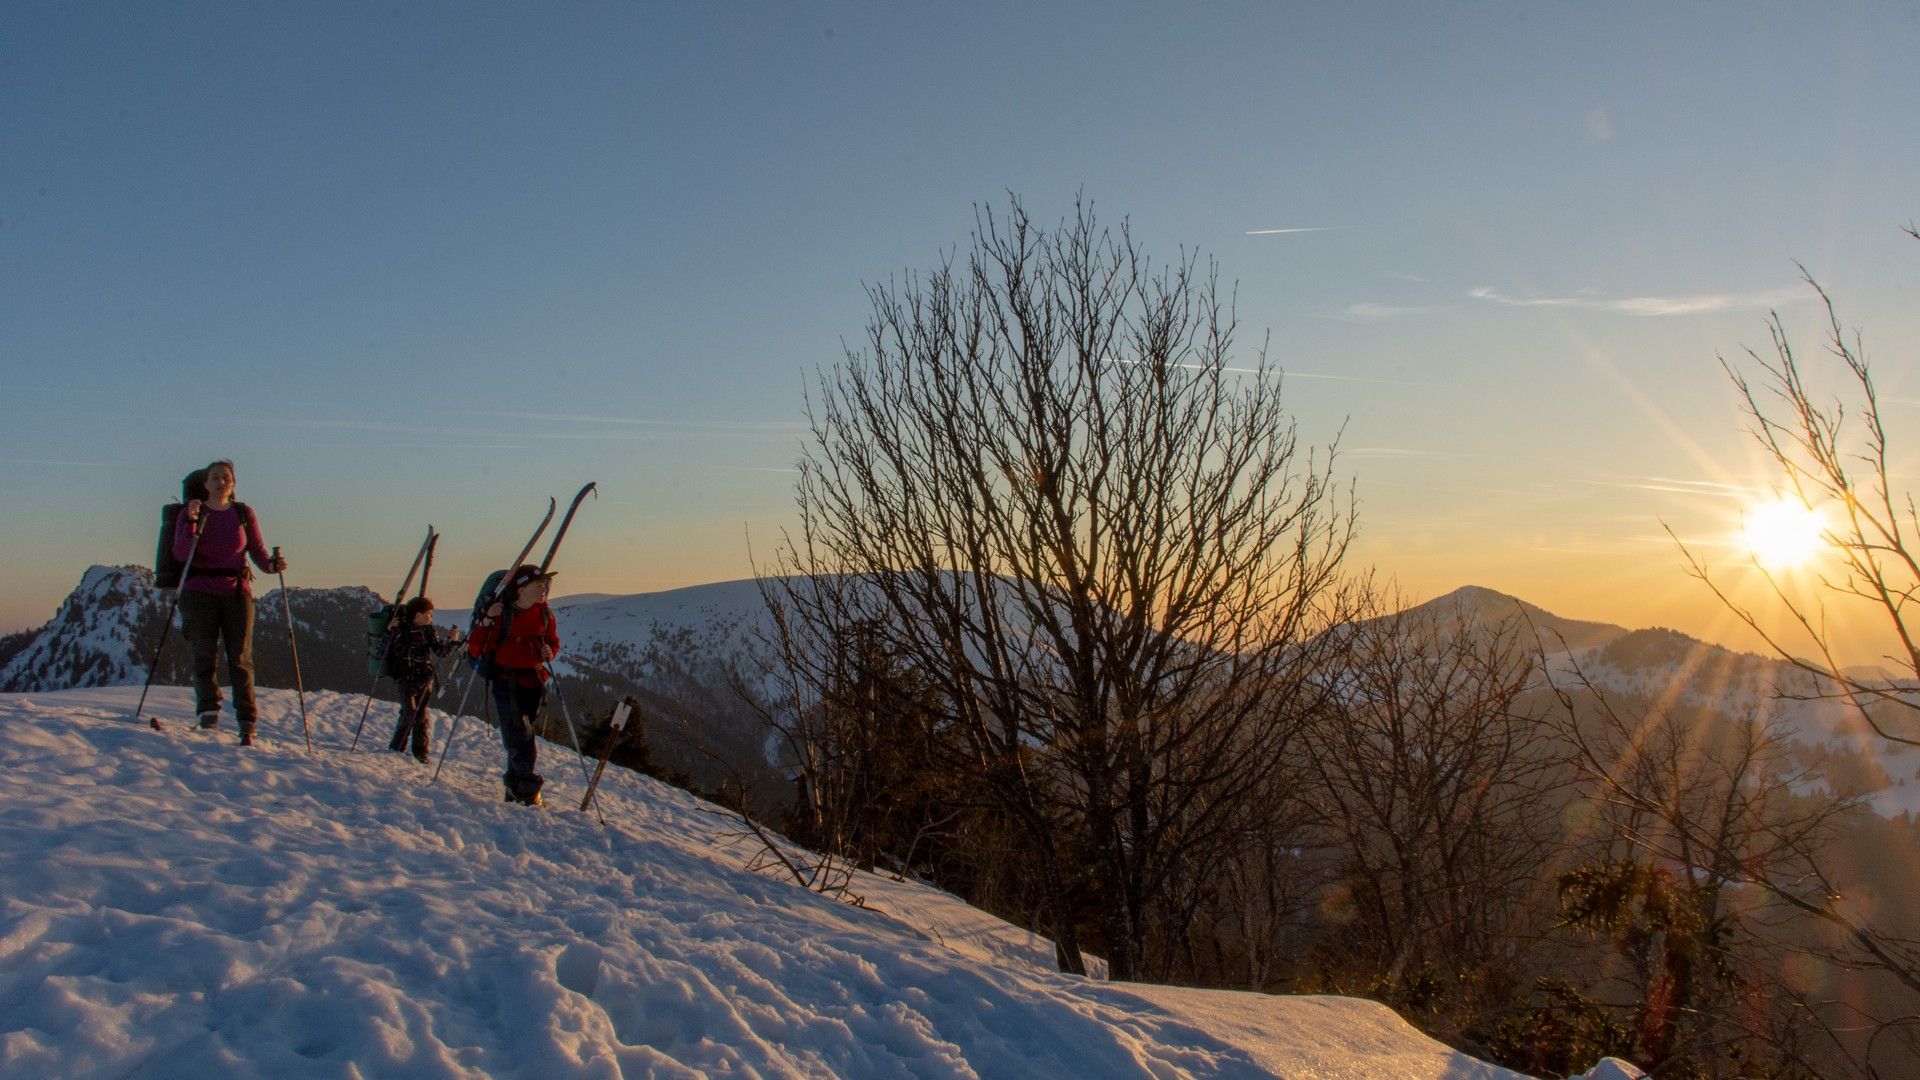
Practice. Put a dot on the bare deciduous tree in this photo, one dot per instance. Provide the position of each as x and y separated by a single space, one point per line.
1100 541
1439 780
1709 870
1834 457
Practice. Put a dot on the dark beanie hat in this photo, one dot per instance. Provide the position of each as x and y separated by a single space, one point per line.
525 573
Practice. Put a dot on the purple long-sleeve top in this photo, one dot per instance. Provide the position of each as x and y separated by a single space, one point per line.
220 562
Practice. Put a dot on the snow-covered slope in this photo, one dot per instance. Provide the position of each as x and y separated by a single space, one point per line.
1664 670
173 905
731 602
631 634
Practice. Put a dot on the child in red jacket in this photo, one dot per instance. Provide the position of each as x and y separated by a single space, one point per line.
518 637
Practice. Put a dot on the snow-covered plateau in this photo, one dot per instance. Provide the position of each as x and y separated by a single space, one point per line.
173 905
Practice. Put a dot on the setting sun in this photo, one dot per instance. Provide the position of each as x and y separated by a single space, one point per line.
1783 533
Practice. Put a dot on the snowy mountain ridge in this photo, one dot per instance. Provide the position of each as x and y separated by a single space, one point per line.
685 645
1664 670
97 637
177 906
106 631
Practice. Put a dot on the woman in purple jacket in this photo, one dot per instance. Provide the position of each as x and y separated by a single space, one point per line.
216 601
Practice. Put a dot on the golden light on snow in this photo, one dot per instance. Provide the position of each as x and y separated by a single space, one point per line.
1783 533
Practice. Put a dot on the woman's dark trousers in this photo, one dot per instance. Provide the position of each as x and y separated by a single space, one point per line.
207 621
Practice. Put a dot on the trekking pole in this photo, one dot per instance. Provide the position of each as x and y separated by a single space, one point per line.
299 685
454 731
364 710
426 709
159 651
572 734
473 676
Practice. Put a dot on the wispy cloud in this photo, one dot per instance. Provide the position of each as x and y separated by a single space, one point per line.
600 436
1720 542
1394 451
1370 312
714 426
1291 374
1293 229
1701 304
1710 488
1600 124
66 464
414 428
1285 373
317 423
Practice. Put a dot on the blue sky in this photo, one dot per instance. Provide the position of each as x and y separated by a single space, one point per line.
431 263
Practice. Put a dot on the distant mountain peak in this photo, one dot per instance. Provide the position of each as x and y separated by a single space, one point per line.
96 636
107 630
1480 603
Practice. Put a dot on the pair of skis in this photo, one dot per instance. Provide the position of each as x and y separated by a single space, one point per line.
423 557
497 595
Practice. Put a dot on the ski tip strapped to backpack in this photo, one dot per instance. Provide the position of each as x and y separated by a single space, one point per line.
384 622
167 569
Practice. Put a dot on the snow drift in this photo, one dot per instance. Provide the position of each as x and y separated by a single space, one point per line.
176 906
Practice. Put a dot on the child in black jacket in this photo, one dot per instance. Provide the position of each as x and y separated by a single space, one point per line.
411 653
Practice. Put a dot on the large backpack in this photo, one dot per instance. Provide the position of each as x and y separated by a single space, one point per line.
393 653
477 659
381 622
167 570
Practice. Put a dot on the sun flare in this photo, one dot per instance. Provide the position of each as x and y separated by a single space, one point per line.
1783 533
